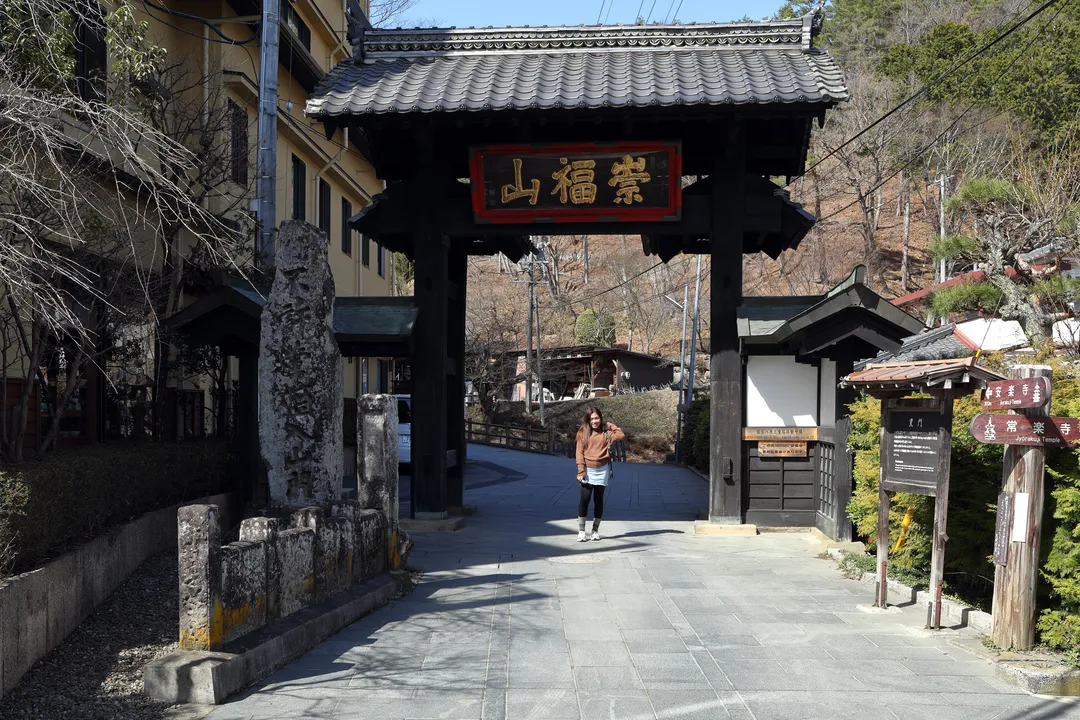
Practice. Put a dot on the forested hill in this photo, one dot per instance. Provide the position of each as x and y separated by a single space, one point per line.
978 97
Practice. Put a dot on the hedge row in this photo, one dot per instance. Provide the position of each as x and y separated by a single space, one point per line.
975 481
74 495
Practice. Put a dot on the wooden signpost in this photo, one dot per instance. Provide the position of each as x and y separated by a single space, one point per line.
916 446
1025 432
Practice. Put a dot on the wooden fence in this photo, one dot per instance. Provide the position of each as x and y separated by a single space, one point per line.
514 437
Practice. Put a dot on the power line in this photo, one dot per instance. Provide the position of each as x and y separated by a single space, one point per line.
607 17
639 7
226 40
669 7
601 13
955 122
677 11
651 8
926 88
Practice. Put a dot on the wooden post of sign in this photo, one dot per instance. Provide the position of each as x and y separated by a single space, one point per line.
881 590
1015 581
941 513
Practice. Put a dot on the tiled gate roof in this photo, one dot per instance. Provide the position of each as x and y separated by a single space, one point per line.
588 67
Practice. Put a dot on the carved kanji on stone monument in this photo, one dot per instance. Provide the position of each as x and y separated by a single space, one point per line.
300 379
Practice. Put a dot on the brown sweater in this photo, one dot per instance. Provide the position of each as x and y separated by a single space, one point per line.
594 452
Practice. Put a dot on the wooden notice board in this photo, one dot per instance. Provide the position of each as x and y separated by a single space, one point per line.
914 445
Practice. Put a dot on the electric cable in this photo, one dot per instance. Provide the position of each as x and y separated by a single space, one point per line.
673 17
926 88
226 41
953 124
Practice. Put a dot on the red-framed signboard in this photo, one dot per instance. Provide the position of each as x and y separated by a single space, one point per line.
1016 393
577 182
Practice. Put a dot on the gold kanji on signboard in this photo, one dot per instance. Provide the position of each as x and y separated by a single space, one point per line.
626 176
517 190
576 182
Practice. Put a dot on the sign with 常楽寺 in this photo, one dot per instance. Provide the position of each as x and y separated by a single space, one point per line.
578 182
1016 394
1031 430
782 449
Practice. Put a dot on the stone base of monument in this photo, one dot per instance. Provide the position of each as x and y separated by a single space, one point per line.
208 678
433 523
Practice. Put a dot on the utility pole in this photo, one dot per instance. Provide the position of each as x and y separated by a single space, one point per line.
586 259
693 338
266 161
539 366
682 370
528 343
941 223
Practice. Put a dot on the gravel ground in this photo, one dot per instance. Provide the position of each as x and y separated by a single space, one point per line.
96 673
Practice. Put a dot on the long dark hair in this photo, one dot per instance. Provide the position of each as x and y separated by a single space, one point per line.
586 425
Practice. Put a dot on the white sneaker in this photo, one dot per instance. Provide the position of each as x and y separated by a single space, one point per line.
581 536
595 535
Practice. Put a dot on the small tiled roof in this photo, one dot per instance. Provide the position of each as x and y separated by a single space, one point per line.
454 70
762 316
938 344
906 376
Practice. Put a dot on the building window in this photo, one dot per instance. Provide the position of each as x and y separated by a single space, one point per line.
346 231
365 251
383 376
91 56
382 261
299 189
298 26
324 207
238 127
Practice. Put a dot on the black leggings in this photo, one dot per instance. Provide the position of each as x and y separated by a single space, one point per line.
591 491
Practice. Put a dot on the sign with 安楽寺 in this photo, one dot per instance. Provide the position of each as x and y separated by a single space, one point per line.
1017 393
781 449
579 182
781 434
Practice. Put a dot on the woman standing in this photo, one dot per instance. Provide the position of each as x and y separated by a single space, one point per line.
594 439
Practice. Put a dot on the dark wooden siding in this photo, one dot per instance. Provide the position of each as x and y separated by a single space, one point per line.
781 492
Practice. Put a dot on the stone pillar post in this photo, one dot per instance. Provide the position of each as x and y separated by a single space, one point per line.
262 529
455 386
301 384
199 540
726 372
377 441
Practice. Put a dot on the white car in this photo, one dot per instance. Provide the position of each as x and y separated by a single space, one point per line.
404 428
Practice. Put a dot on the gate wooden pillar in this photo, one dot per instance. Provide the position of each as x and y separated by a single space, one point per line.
455 399
429 350
727 207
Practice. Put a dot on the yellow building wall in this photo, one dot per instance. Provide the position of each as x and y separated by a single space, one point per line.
350 176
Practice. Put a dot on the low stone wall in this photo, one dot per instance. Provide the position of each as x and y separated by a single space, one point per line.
40 608
227 591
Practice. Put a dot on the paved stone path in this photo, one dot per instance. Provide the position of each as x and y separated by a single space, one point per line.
515 619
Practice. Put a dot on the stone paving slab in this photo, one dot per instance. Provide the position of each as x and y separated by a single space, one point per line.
516 619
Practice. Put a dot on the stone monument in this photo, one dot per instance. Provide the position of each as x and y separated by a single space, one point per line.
301 386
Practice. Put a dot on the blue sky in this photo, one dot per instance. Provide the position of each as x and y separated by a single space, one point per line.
480 13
